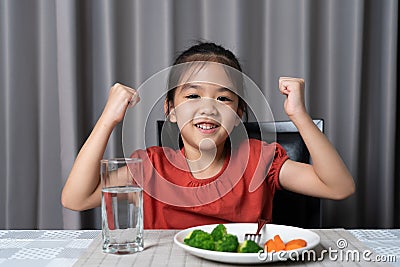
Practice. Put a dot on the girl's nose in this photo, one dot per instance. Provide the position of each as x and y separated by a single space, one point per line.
208 107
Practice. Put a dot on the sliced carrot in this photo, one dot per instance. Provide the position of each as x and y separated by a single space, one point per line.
270 246
295 244
279 243
276 244
300 242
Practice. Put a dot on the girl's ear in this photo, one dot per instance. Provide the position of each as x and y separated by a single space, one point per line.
169 111
239 117
172 116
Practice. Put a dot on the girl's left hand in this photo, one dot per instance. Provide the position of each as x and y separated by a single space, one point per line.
293 88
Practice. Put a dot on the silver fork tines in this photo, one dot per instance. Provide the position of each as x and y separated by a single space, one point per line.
257 236
253 237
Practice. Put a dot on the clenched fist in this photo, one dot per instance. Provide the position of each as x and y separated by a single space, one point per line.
293 88
120 98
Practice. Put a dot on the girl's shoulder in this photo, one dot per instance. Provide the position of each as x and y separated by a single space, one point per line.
156 151
161 159
257 147
160 156
256 144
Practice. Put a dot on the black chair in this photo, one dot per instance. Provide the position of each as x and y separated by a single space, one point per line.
289 208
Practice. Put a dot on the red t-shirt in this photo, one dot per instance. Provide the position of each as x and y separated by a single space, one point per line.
242 191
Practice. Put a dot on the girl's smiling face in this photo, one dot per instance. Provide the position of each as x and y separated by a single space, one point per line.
205 109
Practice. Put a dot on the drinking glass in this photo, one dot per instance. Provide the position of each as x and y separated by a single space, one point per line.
122 205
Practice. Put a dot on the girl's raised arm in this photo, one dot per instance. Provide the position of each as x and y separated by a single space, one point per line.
83 190
328 176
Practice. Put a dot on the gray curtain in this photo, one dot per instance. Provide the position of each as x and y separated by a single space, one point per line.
58 60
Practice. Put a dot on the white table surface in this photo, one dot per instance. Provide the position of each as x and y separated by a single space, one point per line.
68 247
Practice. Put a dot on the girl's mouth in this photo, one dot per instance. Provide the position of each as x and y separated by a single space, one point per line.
206 127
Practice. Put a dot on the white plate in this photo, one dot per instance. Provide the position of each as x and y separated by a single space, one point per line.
287 233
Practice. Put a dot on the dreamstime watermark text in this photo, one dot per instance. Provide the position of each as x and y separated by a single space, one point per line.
340 254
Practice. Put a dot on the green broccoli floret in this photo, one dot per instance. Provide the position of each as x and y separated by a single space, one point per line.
219 232
192 234
200 239
249 246
228 243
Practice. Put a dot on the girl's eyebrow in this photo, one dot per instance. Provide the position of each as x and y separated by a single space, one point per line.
199 87
224 89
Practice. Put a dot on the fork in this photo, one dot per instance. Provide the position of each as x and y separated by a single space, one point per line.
257 236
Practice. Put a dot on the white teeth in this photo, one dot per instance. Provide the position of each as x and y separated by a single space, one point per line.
205 127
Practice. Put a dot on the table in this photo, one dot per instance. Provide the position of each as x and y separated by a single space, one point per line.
82 248
43 248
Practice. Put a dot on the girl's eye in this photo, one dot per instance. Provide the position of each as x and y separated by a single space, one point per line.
224 99
192 96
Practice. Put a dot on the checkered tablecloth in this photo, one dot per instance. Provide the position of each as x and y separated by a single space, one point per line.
82 248
383 242
43 248
161 251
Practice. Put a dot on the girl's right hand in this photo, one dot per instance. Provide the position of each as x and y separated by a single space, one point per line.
120 98
83 188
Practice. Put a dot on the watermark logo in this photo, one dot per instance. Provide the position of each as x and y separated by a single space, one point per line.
341 243
341 254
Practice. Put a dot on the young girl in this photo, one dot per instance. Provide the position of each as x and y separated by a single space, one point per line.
208 181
